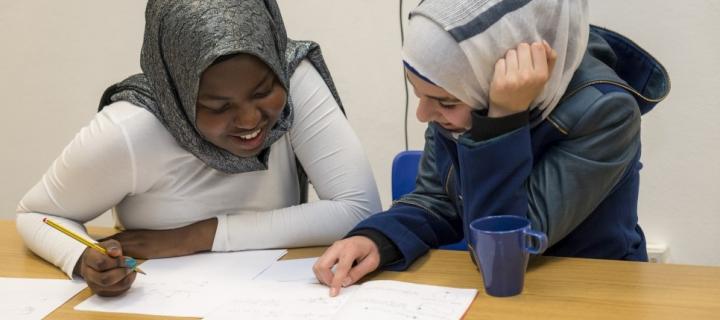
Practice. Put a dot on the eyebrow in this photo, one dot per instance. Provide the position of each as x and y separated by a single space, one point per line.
209 96
212 97
440 99
444 99
268 74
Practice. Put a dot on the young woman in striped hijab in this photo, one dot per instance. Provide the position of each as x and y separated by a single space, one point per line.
531 112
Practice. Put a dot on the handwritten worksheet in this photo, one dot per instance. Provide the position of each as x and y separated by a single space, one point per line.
34 298
381 299
186 286
385 299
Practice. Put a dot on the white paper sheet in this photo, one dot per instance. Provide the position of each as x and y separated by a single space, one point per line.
386 299
22 298
186 286
295 270
380 299
262 300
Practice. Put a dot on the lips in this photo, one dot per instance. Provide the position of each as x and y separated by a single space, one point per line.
249 140
451 128
250 135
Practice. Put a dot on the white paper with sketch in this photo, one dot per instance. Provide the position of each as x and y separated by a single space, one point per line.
186 286
294 270
385 299
379 299
35 298
281 301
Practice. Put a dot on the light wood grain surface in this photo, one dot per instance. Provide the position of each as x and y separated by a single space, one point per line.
555 288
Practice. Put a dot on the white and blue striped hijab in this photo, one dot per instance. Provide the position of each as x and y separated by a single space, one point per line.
456 43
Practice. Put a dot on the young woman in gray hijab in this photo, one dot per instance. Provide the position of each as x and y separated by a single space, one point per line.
199 151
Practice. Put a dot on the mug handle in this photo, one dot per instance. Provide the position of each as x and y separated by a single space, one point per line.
541 239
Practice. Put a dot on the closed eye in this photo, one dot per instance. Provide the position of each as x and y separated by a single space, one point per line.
448 104
265 92
216 109
266 86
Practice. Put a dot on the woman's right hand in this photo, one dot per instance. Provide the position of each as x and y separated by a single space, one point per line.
106 275
346 262
520 77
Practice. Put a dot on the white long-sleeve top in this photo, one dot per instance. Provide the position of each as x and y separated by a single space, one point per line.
126 160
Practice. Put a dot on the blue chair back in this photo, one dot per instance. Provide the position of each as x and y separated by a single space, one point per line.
404 172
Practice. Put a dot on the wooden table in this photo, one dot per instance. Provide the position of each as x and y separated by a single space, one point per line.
555 288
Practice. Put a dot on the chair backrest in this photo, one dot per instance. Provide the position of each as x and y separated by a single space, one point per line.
404 171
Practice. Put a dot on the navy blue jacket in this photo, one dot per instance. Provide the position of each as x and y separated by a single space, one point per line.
575 174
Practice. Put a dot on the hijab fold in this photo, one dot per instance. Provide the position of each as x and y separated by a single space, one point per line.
456 43
183 38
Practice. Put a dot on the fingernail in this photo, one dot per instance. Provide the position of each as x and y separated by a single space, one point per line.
112 248
333 291
130 262
546 43
346 282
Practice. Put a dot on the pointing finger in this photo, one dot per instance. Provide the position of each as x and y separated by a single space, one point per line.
341 272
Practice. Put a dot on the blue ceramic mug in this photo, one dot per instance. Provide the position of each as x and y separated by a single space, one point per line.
501 246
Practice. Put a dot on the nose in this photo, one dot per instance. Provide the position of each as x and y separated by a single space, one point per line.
426 110
247 117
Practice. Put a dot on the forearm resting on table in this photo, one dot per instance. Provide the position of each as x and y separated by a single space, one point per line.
200 235
150 244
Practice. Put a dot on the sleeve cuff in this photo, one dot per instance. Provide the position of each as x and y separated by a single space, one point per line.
389 253
485 128
74 257
221 241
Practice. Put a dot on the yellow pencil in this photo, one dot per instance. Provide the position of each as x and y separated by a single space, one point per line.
82 240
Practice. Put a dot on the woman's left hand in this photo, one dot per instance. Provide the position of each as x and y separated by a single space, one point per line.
520 77
149 244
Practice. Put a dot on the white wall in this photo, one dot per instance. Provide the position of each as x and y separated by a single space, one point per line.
56 58
679 193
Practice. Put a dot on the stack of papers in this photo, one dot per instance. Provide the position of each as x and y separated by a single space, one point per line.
189 286
254 285
381 299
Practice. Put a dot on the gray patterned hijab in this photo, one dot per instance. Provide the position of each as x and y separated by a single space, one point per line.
182 39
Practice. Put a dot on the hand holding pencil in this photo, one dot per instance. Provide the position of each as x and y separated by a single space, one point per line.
102 265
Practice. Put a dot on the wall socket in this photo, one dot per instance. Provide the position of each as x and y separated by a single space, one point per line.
657 252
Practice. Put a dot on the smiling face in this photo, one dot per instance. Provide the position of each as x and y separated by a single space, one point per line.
439 106
239 100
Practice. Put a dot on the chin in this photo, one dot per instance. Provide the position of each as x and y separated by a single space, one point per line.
246 153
